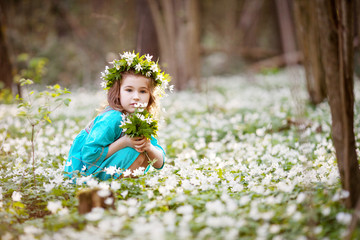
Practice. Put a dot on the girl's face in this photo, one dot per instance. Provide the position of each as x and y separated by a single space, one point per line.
134 89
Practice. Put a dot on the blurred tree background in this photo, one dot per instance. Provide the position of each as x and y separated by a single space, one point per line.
192 38
70 42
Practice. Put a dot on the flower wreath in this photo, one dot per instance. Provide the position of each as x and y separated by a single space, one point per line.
143 65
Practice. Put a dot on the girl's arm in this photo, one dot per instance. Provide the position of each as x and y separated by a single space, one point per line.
144 145
140 145
155 153
121 143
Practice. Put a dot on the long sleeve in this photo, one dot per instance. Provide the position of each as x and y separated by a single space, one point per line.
104 131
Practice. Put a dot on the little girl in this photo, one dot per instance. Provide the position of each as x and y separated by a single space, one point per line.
101 149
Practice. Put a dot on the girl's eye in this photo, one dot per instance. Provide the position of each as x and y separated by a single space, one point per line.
143 91
128 90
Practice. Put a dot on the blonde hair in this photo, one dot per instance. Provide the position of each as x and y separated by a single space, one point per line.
113 94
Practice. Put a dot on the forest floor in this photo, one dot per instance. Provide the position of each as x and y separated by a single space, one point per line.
248 158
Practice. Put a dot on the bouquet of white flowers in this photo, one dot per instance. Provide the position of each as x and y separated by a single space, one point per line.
140 123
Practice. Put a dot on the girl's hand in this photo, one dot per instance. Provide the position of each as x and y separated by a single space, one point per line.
144 145
140 144
133 142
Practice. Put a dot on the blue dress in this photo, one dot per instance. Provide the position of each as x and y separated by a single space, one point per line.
90 147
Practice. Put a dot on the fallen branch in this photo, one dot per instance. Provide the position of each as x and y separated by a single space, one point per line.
278 61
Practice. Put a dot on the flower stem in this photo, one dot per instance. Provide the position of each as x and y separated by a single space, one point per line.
33 150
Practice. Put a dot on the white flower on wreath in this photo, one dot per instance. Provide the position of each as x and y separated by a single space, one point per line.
103 84
154 68
148 57
160 77
138 67
148 74
127 55
129 61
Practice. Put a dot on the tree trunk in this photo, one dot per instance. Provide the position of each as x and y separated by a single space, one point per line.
249 20
357 38
336 18
286 30
147 42
308 28
177 28
6 74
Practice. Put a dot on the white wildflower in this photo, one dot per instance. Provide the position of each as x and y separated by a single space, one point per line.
115 185
139 171
301 197
343 218
16 196
63 211
150 205
32 230
215 207
274 228
124 193
103 193
111 224
109 201
104 185
6 147
341 195
326 211
185 210
54 206
290 210
127 172
110 170
48 187
318 230
95 214
68 163
91 182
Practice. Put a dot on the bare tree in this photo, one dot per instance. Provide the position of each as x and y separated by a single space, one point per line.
6 75
337 21
308 32
287 34
147 41
177 28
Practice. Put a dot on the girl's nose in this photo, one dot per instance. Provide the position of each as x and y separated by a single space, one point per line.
136 95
